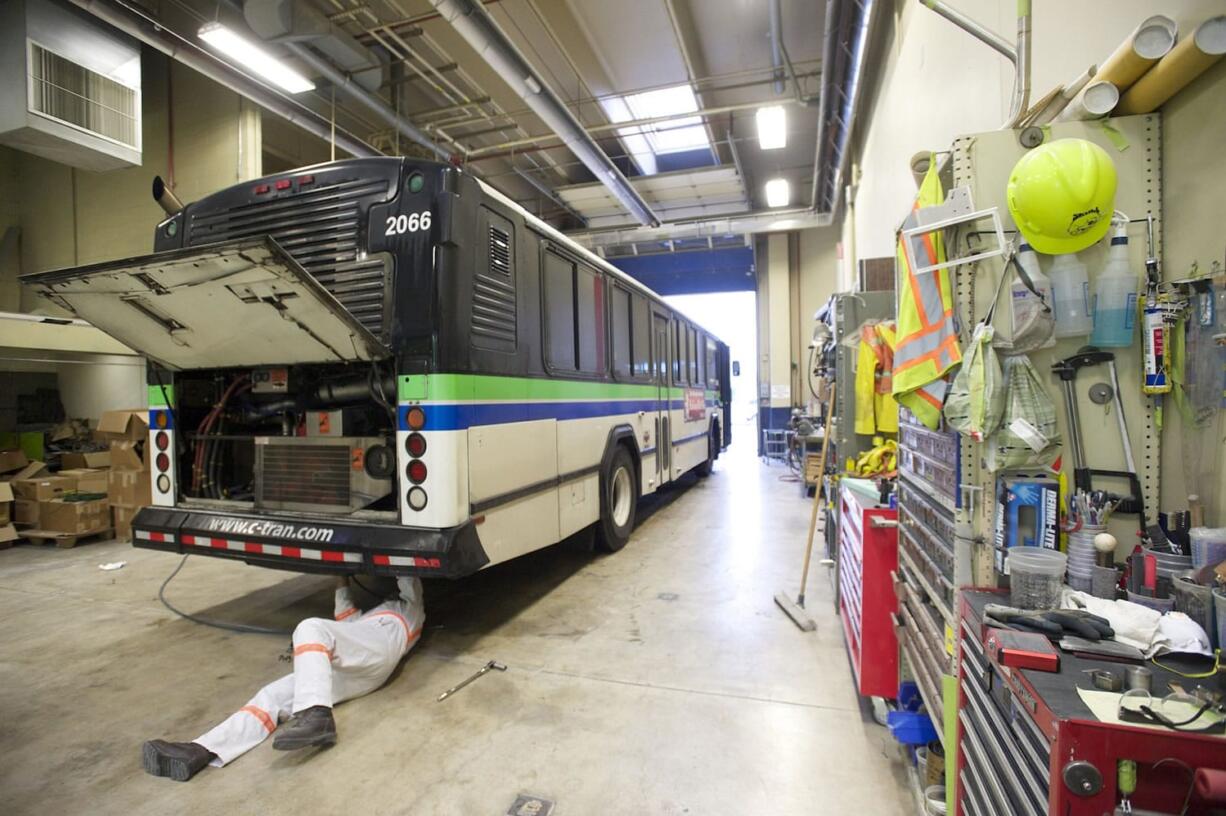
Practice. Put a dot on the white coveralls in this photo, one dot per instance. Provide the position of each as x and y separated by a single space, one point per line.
334 661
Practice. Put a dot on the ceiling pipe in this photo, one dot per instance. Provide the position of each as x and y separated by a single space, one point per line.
1019 55
757 221
479 30
859 50
348 86
776 44
822 98
137 24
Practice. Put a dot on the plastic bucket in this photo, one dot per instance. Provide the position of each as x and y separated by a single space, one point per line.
1036 575
934 800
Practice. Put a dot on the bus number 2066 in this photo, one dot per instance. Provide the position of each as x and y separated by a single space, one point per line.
413 222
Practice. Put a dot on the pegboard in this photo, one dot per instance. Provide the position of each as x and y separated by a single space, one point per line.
983 162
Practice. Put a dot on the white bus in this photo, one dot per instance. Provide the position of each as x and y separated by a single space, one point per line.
384 366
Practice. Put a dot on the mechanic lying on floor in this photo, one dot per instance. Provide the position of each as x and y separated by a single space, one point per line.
334 661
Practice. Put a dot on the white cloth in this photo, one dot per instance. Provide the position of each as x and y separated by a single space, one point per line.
334 661
1134 624
1179 633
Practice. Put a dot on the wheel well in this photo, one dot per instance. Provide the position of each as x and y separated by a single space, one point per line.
623 437
628 443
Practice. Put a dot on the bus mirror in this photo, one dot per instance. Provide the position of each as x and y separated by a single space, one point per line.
736 368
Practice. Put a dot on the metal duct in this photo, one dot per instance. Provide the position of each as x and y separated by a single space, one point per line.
776 44
372 102
285 21
479 30
136 23
742 224
822 97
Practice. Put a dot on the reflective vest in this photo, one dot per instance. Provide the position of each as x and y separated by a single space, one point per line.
876 410
927 343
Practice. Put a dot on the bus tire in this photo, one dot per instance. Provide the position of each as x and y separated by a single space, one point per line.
704 468
618 501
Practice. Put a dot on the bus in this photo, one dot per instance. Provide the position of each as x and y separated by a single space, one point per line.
385 366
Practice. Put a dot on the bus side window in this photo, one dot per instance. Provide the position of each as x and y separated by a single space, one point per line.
590 320
640 337
559 285
693 357
712 368
678 353
620 314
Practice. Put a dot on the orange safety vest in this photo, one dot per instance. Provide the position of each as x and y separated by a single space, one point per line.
927 343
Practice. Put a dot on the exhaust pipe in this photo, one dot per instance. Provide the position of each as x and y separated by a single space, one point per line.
165 198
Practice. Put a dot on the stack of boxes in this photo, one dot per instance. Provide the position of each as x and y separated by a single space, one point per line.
93 491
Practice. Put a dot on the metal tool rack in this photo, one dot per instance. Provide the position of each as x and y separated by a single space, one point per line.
947 496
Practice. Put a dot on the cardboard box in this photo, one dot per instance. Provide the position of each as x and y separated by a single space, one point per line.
1027 515
88 480
6 503
88 459
11 460
25 511
131 455
8 534
44 488
129 424
122 518
129 488
31 471
59 516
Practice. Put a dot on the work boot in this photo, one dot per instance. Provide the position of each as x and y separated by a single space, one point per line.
178 760
309 728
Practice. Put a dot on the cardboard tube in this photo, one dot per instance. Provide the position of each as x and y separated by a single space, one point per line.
1190 58
1097 99
1151 41
1067 95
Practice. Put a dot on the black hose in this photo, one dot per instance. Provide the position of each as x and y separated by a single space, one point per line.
244 628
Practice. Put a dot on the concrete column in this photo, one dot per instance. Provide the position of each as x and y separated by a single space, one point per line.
774 333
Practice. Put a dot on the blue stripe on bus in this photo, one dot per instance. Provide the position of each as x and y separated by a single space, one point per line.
458 416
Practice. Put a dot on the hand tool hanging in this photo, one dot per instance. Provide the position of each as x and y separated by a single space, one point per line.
1083 474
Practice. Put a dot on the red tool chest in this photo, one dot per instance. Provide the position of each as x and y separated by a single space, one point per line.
868 554
1028 745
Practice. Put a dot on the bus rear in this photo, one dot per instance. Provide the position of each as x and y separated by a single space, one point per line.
290 323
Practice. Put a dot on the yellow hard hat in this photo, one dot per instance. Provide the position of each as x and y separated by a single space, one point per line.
1062 194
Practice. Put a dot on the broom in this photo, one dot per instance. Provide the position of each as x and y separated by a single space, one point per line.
796 609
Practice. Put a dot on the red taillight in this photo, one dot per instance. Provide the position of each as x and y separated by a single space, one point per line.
163 462
415 445
260 189
282 184
416 419
417 471
305 180
162 440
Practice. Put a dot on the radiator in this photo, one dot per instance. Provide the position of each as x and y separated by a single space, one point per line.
320 474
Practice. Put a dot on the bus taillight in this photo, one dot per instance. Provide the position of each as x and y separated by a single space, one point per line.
417 471
416 418
415 445
416 498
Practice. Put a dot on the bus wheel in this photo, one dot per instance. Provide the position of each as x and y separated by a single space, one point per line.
618 502
704 468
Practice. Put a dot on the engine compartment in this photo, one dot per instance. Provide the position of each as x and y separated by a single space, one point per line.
315 438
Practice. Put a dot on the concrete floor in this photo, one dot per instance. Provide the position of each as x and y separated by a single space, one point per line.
659 680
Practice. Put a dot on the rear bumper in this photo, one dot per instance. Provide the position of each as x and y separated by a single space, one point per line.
335 548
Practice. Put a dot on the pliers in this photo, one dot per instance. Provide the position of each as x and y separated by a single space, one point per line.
1052 622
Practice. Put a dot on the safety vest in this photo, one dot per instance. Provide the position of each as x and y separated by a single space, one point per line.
876 410
927 342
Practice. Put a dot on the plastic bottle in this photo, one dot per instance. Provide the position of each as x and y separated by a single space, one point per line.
1033 305
1115 296
1071 289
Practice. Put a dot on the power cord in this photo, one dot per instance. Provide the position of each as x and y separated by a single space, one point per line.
243 628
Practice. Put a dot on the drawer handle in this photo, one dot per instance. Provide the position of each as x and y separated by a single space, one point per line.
875 521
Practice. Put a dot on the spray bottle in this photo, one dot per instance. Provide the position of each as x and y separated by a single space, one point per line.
1115 294
1156 380
1071 287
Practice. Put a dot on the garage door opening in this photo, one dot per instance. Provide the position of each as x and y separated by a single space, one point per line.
731 316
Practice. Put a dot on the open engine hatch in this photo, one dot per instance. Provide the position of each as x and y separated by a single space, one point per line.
244 302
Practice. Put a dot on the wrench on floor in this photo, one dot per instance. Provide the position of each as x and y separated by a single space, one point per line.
493 665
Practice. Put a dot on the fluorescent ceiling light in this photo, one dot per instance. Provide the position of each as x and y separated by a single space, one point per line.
778 193
645 142
249 55
772 127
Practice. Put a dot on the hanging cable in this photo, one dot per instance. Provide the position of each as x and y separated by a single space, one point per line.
244 628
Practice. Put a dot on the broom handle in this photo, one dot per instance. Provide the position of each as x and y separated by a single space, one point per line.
817 495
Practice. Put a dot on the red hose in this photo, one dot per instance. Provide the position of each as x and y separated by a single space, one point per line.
205 426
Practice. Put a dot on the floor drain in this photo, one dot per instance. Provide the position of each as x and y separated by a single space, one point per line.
526 805
668 596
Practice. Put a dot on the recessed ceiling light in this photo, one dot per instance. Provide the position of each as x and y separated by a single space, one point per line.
249 55
772 127
778 193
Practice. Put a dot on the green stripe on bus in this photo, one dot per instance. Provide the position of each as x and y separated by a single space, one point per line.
159 400
462 387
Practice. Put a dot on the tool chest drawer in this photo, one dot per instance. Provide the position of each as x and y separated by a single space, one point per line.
868 556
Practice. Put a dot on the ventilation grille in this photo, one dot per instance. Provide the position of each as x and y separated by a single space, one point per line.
494 295
321 229
304 474
62 90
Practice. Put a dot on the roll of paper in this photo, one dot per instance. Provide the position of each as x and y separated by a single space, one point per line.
1151 41
1190 58
1097 99
1067 95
